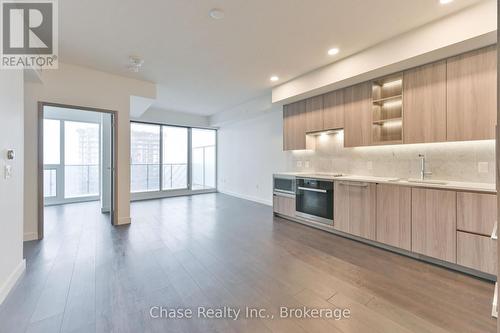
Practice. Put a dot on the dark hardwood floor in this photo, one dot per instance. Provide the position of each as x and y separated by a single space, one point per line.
215 250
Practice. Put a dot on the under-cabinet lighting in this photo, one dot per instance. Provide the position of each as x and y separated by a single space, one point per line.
445 2
333 51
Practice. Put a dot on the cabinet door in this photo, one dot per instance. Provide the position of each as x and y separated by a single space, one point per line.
394 215
294 126
472 95
476 212
477 252
358 115
284 205
333 110
341 206
434 223
314 114
424 103
362 208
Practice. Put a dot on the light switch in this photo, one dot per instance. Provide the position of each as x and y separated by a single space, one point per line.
7 171
307 164
299 164
482 167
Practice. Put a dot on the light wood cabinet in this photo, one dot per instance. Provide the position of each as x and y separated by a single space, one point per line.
476 212
284 205
358 115
314 114
333 110
355 208
424 103
294 126
477 252
434 223
394 215
472 95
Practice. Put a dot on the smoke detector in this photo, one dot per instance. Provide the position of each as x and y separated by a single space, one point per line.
134 64
216 14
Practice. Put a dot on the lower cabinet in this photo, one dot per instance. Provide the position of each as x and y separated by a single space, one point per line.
434 223
355 208
284 205
477 252
394 215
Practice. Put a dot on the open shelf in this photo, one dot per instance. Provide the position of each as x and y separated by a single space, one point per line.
387 110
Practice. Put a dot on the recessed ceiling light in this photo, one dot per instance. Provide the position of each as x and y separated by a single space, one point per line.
274 78
333 51
216 14
445 2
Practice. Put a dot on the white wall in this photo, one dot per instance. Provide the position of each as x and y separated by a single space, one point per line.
249 152
80 86
11 190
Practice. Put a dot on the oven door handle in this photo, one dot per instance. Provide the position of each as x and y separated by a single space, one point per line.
311 189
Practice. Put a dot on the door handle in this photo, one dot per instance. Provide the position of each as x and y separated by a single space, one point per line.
494 232
311 189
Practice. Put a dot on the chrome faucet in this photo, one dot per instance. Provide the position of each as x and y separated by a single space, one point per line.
423 173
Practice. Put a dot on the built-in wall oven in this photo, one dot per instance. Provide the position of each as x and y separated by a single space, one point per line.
314 200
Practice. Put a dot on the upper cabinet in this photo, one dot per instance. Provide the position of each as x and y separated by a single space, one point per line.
449 100
333 110
424 103
471 88
358 115
294 126
314 114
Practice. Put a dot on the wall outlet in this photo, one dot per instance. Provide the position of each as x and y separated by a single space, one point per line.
369 165
7 171
307 164
299 164
482 167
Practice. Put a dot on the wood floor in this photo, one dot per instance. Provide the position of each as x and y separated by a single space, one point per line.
214 250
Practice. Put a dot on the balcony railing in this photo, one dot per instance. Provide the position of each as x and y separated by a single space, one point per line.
145 177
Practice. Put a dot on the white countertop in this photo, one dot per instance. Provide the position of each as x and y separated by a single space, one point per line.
448 185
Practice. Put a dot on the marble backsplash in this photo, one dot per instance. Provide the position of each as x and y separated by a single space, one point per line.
471 161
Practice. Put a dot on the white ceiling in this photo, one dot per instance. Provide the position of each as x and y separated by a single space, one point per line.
204 66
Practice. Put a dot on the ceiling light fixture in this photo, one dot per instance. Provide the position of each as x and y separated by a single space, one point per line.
134 64
333 51
216 14
445 2
274 78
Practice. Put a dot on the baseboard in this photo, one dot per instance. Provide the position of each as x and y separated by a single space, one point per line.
11 280
29 236
247 197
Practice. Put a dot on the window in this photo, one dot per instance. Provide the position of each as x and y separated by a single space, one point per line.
175 158
51 141
203 155
81 159
145 157
49 183
165 158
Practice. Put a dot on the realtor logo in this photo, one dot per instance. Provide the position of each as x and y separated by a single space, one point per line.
29 34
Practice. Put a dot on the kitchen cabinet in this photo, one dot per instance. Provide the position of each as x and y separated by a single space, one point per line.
294 126
394 216
471 89
355 208
333 110
424 103
476 212
477 252
434 223
314 114
284 205
358 115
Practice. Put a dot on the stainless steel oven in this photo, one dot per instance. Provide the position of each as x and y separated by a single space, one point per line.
314 200
284 184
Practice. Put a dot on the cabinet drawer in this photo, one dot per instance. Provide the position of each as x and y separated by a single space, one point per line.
477 252
284 205
476 212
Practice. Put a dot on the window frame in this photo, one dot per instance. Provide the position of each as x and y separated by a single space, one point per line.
161 193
